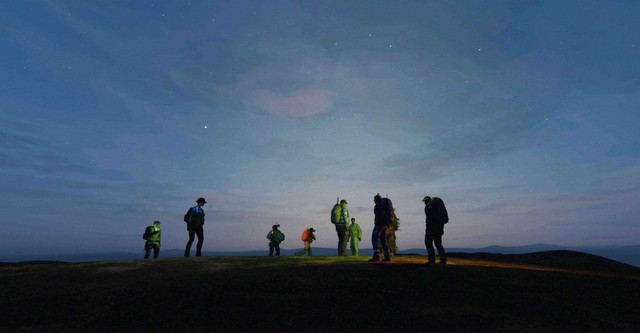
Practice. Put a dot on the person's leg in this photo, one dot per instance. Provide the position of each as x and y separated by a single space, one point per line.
438 242
200 234
156 251
428 242
375 235
277 246
270 249
383 240
187 250
147 251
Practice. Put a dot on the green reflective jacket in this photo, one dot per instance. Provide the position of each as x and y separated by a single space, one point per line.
154 234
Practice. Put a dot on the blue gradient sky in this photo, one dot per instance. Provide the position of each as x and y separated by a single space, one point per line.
521 115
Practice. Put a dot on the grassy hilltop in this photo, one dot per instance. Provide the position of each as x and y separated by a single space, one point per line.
558 291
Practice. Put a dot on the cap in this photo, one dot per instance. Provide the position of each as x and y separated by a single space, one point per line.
343 201
275 226
201 200
426 199
156 222
312 230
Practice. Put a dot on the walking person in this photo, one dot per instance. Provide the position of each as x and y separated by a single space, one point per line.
435 217
307 237
195 225
152 235
275 237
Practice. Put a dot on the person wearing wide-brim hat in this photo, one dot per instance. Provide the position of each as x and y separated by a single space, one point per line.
195 225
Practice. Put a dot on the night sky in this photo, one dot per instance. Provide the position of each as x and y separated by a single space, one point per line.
521 115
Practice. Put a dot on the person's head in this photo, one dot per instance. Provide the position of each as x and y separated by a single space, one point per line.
343 203
201 201
426 200
353 220
377 198
275 226
312 230
156 222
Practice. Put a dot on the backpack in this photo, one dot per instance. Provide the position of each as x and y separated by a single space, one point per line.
186 216
305 235
147 232
387 210
336 213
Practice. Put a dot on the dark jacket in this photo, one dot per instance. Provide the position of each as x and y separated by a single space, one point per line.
383 213
436 213
196 217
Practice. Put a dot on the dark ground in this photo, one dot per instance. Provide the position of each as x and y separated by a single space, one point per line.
321 294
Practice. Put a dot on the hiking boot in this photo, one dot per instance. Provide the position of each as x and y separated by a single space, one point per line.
374 259
430 263
386 259
442 262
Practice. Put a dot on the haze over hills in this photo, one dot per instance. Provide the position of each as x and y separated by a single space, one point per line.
625 254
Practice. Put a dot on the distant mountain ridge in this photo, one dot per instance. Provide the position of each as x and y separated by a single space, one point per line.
629 254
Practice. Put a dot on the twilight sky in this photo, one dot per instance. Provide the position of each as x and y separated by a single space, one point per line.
521 115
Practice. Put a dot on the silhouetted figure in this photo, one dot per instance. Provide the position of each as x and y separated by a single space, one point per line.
436 216
152 235
275 237
195 225
340 218
307 237
355 236
384 216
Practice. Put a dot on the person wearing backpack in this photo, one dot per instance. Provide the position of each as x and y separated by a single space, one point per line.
340 218
355 236
152 235
307 237
275 237
195 226
384 216
435 217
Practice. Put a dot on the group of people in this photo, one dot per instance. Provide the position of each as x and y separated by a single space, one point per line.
436 217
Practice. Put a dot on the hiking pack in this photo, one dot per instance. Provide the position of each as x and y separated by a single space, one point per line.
387 209
336 212
147 232
186 216
305 235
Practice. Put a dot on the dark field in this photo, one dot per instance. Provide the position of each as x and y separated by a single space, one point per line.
475 293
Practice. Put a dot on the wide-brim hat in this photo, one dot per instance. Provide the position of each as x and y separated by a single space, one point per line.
201 200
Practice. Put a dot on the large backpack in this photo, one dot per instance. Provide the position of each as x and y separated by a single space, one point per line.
147 232
336 213
187 216
305 235
387 210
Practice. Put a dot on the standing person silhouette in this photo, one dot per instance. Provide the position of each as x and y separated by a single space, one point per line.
435 217
195 226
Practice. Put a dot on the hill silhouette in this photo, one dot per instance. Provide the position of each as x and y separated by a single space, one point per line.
545 292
